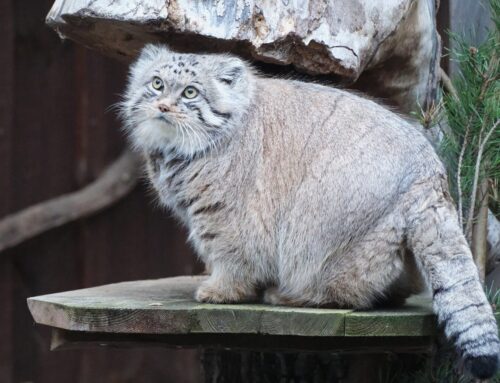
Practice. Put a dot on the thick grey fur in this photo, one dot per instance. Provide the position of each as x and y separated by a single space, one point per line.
315 196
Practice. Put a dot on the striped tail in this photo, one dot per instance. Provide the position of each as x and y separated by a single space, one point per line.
445 260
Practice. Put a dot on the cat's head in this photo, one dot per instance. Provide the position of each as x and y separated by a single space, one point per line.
189 101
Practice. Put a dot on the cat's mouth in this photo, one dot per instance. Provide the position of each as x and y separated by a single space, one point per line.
168 119
163 118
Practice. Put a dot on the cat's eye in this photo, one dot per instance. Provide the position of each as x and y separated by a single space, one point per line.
190 92
157 83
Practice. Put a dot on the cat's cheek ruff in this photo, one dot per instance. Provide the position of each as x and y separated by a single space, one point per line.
152 134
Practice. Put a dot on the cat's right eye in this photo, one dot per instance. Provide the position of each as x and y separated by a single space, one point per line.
157 83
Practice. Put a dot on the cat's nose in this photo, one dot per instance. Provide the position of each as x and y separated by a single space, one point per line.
163 108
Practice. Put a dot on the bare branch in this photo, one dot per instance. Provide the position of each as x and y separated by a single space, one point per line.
447 84
459 173
480 231
470 216
116 182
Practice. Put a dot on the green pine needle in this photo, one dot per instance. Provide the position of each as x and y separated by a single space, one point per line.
472 115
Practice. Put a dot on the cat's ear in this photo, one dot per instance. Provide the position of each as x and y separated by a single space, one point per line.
151 51
147 55
230 70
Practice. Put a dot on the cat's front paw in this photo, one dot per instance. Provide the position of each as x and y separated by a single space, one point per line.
209 293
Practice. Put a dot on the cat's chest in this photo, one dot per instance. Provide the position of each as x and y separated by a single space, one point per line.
183 183
167 172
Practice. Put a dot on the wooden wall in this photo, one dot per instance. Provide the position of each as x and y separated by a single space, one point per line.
56 136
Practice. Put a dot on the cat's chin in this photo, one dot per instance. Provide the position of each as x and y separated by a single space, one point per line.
154 135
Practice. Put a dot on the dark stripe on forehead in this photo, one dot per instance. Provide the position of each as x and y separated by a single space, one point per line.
197 83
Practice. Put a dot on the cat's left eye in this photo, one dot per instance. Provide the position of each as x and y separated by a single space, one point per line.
157 83
190 92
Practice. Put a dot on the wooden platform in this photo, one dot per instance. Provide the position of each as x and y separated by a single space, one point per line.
163 312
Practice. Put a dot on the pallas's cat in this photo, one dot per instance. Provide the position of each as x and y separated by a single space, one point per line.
309 194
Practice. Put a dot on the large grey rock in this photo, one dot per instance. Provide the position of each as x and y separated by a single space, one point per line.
388 48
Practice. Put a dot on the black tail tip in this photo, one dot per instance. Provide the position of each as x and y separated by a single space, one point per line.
482 367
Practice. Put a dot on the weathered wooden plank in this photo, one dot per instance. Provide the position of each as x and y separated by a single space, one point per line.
71 340
414 319
166 306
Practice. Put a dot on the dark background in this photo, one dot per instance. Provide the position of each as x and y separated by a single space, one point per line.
55 137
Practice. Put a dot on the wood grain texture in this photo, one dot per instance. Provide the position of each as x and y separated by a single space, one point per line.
166 306
414 319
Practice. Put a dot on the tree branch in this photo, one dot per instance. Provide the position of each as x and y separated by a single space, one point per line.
480 231
447 84
116 182
459 173
470 217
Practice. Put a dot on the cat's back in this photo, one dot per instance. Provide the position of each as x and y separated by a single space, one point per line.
318 140
311 118
303 101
